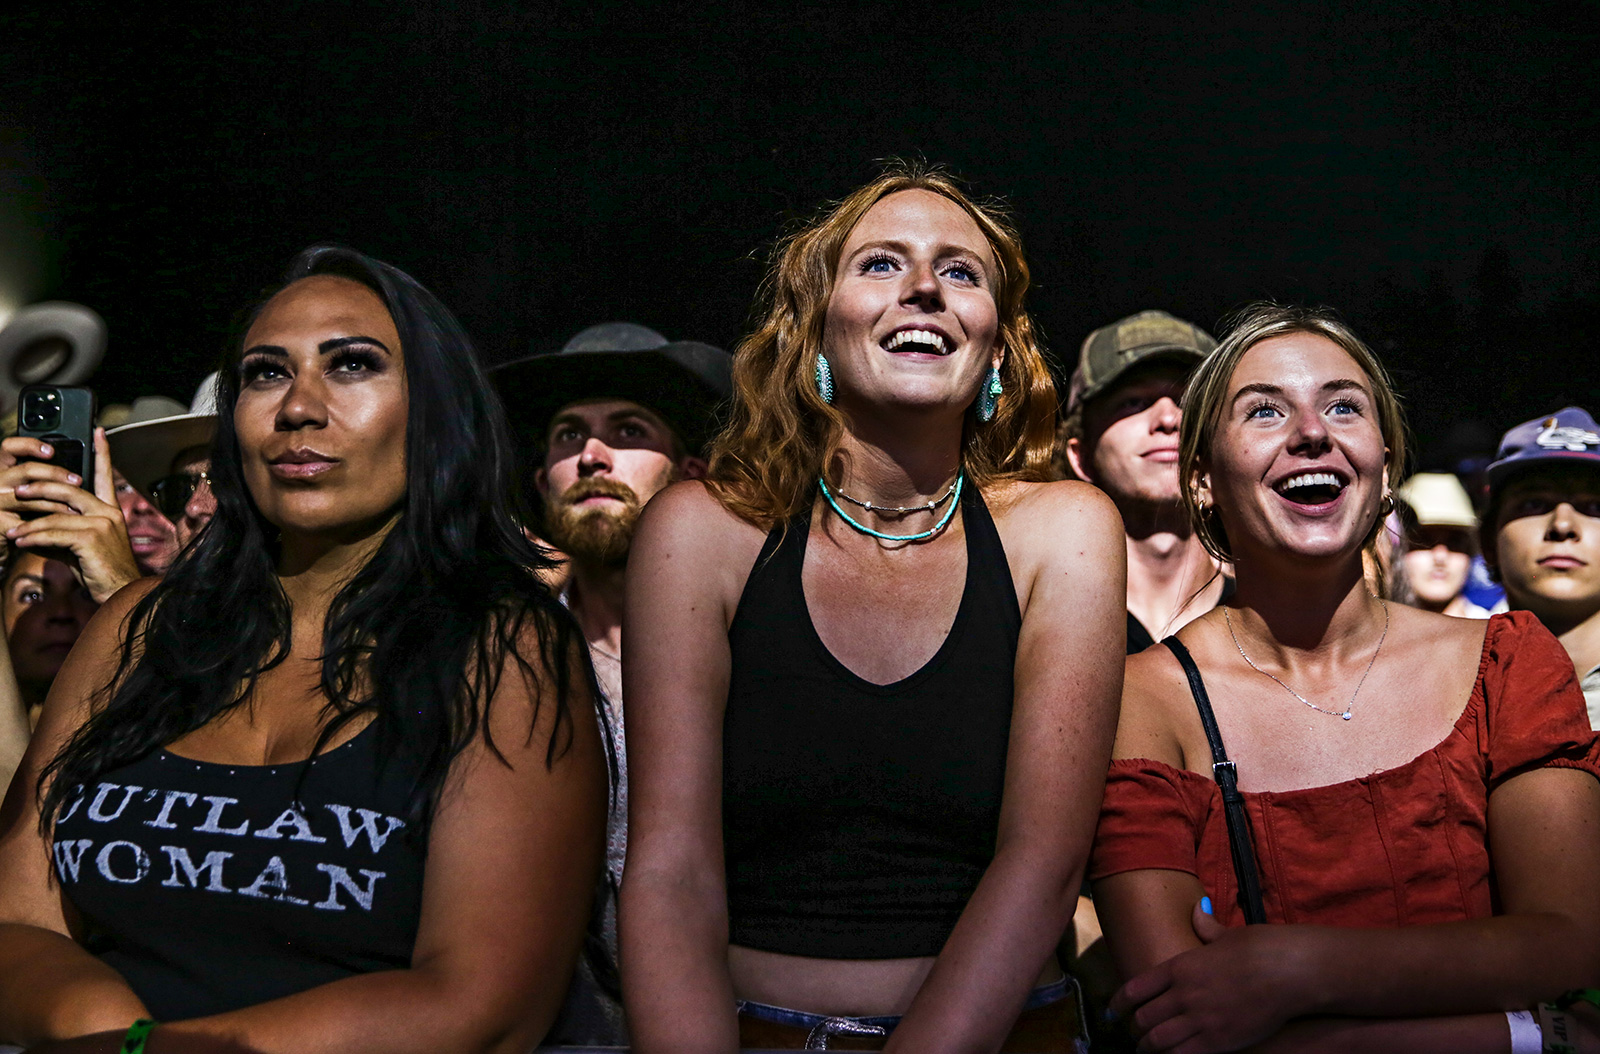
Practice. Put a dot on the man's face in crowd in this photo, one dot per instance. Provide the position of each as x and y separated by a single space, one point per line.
202 504
151 535
1547 545
605 458
1129 447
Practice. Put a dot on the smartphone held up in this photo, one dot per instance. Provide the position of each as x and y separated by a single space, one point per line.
62 416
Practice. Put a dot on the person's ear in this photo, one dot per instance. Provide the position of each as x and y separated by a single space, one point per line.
1202 491
1078 460
541 481
691 467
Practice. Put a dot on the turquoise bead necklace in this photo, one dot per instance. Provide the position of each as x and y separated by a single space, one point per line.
955 494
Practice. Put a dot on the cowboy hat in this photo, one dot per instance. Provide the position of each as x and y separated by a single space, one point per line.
143 450
50 343
681 381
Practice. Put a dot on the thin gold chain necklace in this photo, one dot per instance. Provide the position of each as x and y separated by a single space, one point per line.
1345 713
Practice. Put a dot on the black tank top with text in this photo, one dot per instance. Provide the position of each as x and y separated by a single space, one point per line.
858 818
213 887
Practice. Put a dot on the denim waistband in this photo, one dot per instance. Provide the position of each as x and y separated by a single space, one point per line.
1044 995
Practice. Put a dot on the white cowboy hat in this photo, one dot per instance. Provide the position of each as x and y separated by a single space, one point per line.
143 450
50 343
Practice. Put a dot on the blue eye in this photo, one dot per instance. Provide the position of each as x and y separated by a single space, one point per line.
1261 410
1344 406
962 273
878 263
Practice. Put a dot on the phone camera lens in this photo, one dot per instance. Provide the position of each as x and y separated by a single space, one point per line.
41 411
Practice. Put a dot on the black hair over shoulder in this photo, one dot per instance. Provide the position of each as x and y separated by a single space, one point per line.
419 637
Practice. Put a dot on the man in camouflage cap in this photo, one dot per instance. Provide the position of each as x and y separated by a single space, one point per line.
1120 433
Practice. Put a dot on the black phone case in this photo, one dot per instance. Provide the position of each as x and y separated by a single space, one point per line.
73 438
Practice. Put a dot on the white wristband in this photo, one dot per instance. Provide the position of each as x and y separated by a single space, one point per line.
1526 1038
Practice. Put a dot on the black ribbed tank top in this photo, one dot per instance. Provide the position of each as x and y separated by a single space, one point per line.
858 818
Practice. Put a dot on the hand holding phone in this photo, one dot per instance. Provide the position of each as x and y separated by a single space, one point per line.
43 507
61 417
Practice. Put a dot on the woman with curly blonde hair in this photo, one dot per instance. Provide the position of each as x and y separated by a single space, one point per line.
873 663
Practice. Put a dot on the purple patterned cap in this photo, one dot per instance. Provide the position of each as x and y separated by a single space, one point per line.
1569 435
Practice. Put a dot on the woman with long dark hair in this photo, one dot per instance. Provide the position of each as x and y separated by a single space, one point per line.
333 783
872 663
1408 801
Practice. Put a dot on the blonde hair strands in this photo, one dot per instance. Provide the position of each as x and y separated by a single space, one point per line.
780 435
1205 399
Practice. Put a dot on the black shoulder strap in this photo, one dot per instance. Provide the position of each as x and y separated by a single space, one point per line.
1227 777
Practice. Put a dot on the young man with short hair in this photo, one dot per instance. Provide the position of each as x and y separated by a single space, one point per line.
1541 533
1120 432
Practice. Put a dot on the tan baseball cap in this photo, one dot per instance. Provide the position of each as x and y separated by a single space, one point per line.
1439 500
1113 350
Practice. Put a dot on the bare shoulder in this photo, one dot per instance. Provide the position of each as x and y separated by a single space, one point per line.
1155 708
1060 518
1440 642
1035 502
689 540
115 611
689 510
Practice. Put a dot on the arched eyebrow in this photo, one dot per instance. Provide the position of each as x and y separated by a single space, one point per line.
1343 384
903 249
330 345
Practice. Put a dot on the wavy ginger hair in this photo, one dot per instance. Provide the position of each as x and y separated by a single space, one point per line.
780 435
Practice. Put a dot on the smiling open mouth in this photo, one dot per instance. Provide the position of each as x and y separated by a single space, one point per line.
924 340
1311 488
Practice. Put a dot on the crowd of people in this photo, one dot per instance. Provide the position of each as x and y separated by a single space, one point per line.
856 690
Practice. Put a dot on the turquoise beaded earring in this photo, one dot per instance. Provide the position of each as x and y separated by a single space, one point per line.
989 398
824 379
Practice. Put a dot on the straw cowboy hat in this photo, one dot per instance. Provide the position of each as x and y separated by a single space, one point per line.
143 450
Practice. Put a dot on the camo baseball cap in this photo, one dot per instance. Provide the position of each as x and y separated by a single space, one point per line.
1113 350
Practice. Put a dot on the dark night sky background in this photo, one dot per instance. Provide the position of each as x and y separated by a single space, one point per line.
1430 171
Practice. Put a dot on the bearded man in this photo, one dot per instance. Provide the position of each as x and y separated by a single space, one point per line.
609 420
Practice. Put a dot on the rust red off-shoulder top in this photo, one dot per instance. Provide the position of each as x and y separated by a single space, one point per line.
1402 847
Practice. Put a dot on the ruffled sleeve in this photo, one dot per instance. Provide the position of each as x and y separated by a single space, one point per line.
1534 709
1151 817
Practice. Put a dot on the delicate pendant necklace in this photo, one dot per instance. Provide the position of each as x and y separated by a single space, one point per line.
1345 713
955 494
901 510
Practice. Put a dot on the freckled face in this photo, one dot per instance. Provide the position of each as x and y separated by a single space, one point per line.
321 415
1297 462
912 318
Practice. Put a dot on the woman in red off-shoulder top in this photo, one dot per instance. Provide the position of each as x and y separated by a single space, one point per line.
1422 793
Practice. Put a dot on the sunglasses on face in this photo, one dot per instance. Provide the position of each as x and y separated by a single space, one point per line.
172 493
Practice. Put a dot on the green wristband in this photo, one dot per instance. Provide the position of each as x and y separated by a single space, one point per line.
138 1032
1579 995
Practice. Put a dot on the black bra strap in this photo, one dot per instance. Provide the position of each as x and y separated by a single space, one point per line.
1227 777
